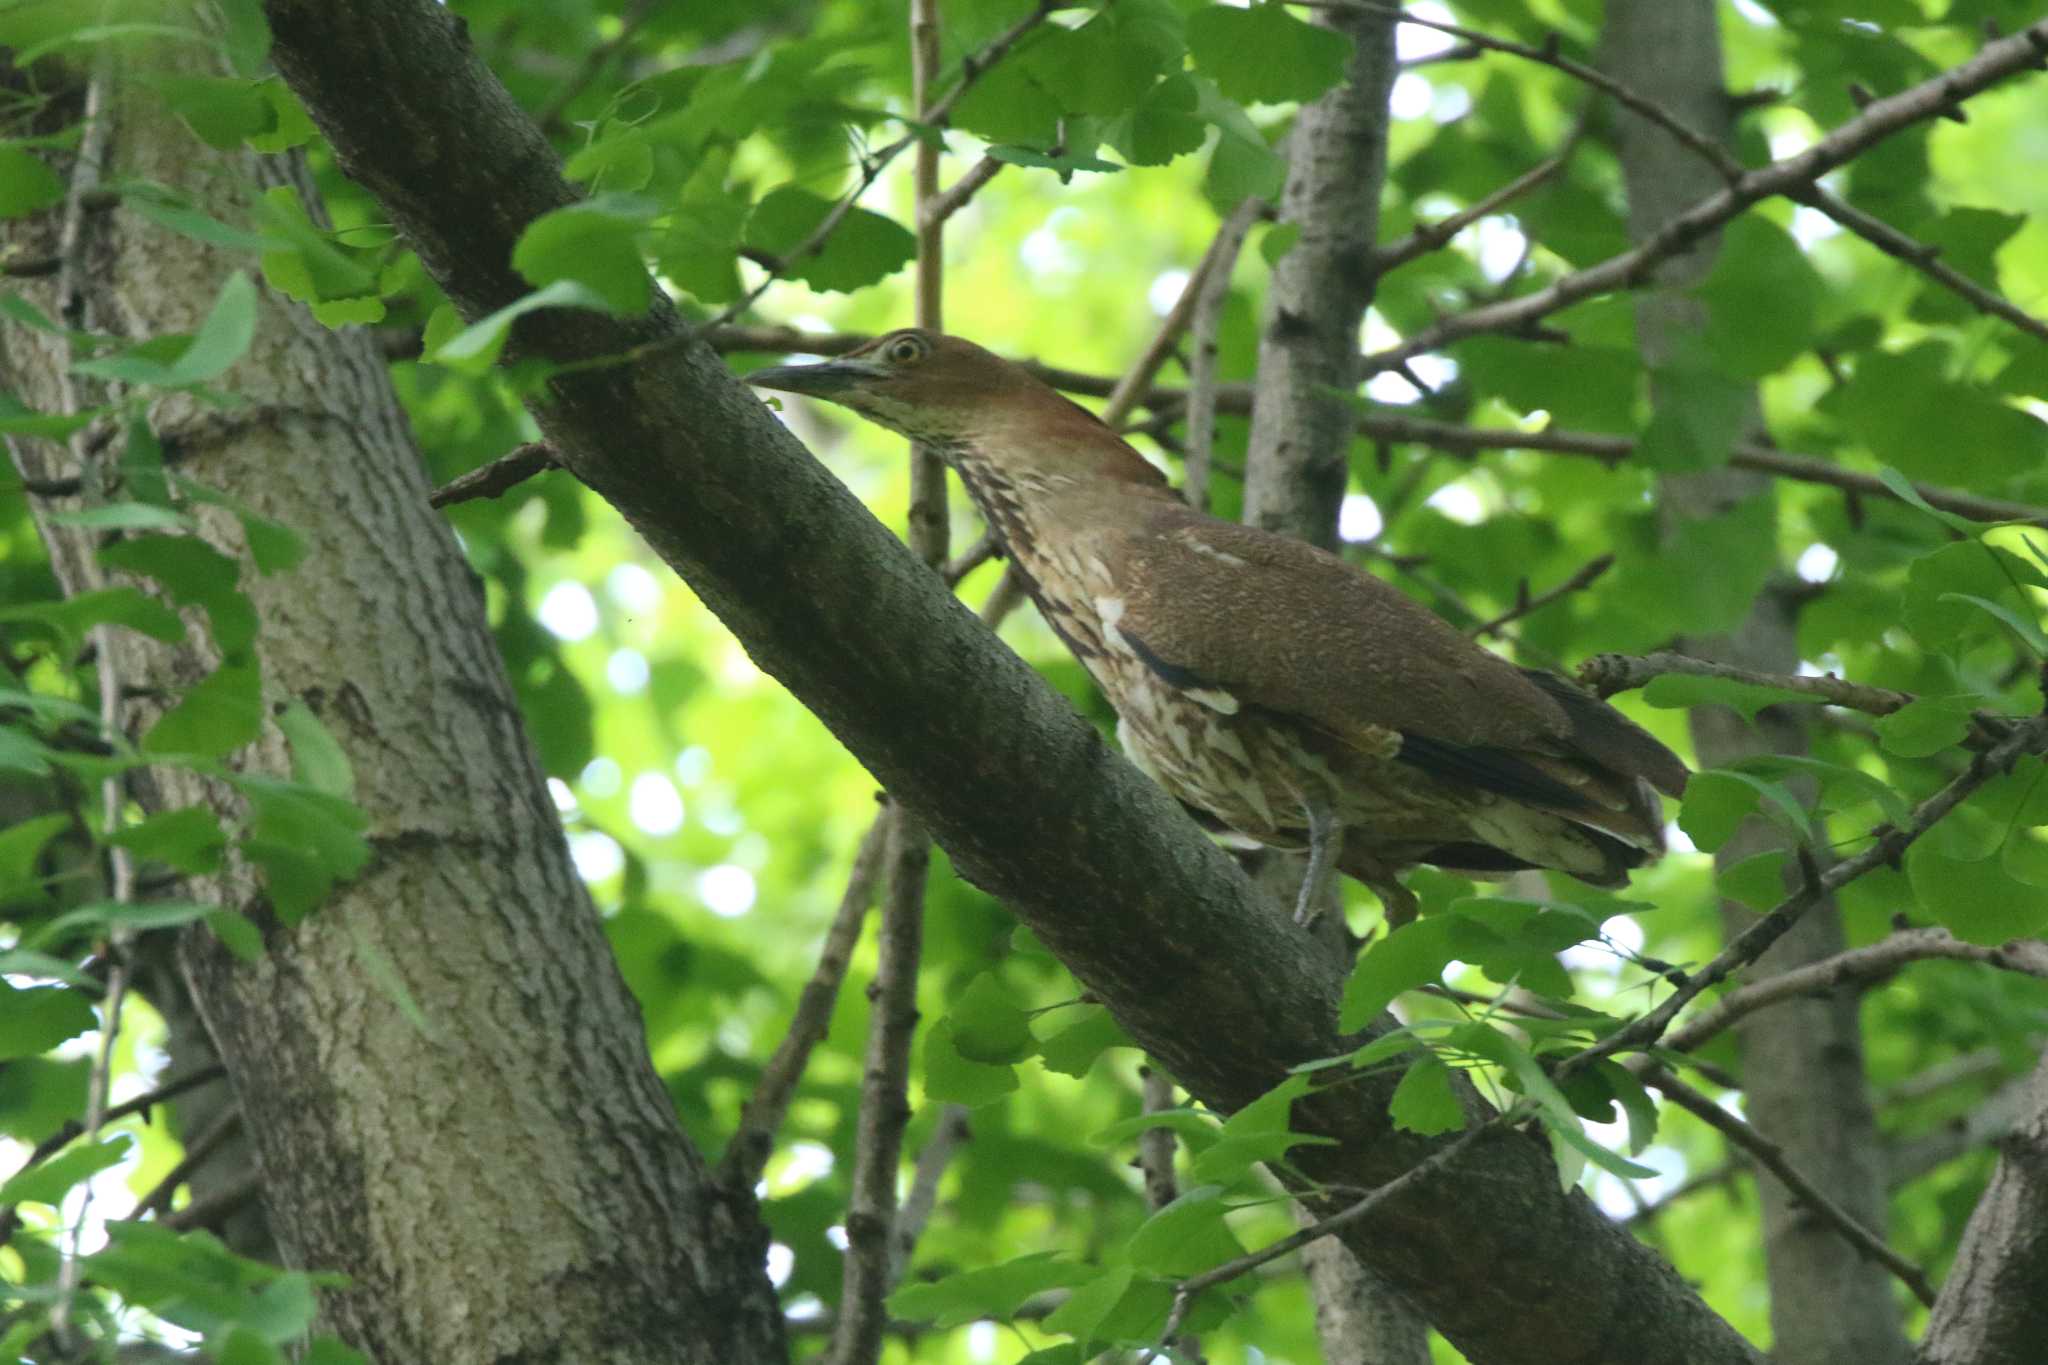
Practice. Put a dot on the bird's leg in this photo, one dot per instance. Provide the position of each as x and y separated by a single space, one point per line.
1325 842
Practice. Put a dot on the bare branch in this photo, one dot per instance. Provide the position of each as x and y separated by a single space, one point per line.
1856 967
763 1113
885 1108
1208 319
1428 237
1136 384
932 1160
1997 60
1156 1144
1771 1157
1525 604
1922 256
497 478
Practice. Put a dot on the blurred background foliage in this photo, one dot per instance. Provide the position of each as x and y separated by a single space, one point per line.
714 818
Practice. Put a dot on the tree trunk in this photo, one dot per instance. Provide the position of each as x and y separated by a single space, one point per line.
1803 1081
442 1072
1992 1310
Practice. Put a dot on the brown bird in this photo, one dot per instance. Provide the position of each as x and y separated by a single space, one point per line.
1287 695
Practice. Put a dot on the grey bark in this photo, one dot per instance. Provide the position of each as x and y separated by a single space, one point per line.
506 1178
1298 461
1297 467
1023 794
1802 1065
1992 1310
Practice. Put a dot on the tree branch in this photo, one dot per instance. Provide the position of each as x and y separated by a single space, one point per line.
1207 322
1525 604
1771 1157
2028 738
1997 60
747 1153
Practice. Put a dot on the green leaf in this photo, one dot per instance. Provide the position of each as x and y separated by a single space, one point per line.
2028 630
188 838
1073 1049
220 110
27 184
1635 1102
17 419
1257 1132
1977 900
74 617
1908 494
273 546
1759 273
36 1019
1926 725
1699 416
1264 54
225 335
1757 881
987 1025
1091 1302
1094 69
1904 408
1161 126
1425 1102
1718 800
100 918
318 760
218 715
340 286
996 1291
950 1077
595 243
1682 692
864 248
1939 585
195 575
124 516
475 348
50 1182
21 852
1187 1236
1066 163
306 841
1411 956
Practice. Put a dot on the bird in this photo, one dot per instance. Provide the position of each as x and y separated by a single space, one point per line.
1279 692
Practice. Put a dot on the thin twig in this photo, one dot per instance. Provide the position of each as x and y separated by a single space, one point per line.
1136 382
1526 605
1428 237
885 1108
1771 1157
1156 1144
874 165
1207 323
1890 841
497 478
72 1128
1549 55
1184 1294
985 548
956 196
1922 256
763 1113
1996 61
197 1151
1855 967
932 1160
216 1208
1449 437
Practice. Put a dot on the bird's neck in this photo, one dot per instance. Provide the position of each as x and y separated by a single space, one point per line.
1046 484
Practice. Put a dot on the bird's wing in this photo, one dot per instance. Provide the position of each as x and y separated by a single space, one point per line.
1238 616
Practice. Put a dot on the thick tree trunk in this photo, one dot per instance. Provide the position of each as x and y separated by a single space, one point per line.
1992 1310
1022 793
1803 1080
442 1072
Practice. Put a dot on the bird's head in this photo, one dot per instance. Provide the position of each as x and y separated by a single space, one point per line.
925 385
970 403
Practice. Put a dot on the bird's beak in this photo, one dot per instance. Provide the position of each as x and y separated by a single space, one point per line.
827 379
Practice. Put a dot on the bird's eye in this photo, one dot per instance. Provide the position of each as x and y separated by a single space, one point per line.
905 350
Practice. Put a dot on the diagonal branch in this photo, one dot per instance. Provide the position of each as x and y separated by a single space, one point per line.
2027 739
1771 1157
1998 60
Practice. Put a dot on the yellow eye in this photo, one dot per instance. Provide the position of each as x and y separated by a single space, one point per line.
907 349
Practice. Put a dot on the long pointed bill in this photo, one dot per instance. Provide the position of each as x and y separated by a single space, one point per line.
828 379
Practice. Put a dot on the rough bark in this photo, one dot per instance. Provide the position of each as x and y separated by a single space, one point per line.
1803 1078
504 1178
1991 1310
1298 461
1024 795
1297 467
